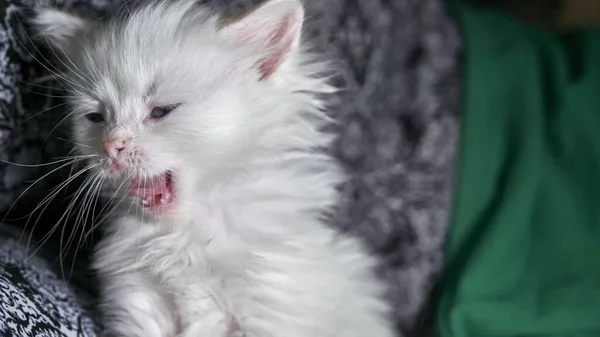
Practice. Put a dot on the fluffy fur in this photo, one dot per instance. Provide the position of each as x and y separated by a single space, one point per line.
245 249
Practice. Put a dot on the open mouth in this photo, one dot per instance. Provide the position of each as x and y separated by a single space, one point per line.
156 193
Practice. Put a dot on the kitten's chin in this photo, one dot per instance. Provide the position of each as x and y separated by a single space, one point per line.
156 194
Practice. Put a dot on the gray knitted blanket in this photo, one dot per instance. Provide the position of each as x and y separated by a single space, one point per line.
398 131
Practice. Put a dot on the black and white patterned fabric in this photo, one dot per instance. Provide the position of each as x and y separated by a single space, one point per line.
398 131
34 299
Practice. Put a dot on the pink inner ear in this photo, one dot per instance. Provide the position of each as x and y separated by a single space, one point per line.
279 45
273 33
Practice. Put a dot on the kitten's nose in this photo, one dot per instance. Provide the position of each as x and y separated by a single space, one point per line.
114 146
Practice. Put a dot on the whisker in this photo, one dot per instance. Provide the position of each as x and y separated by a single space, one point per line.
83 218
27 120
41 54
62 249
75 143
83 205
51 231
54 192
114 194
47 164
74 111
75 70
47 236
31 186
108 214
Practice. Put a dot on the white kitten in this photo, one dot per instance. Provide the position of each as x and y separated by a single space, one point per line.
212 127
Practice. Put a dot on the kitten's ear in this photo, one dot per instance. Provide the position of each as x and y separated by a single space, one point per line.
274 28
57 27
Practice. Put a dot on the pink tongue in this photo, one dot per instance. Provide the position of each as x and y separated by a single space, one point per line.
153 193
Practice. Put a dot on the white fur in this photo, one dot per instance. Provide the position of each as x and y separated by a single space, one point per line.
246 251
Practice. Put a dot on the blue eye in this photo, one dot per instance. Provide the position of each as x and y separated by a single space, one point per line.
161 111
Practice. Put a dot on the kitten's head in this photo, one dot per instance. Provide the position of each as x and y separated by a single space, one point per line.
169 93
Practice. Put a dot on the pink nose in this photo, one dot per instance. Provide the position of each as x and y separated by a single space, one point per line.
114 146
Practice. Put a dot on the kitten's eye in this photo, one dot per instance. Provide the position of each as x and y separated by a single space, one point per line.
95 117
161 111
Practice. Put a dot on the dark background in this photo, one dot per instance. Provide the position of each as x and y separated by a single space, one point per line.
554 14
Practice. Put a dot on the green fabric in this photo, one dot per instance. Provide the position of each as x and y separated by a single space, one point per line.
523 251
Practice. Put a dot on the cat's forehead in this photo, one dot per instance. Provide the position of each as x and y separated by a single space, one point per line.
148 64
148 33
158 73
166 53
